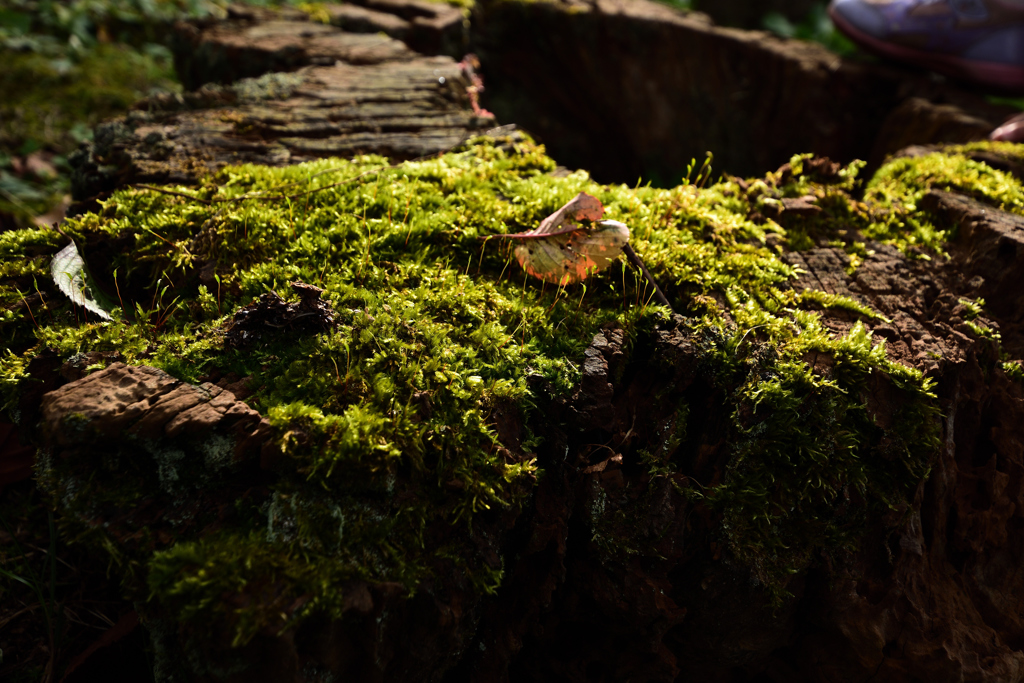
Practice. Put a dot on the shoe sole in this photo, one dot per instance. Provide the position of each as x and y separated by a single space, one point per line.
1003 76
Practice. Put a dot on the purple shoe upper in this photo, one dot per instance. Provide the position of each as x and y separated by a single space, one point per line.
968 29
865 16
1004 46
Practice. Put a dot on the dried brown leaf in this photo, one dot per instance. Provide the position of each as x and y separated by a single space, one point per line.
563 251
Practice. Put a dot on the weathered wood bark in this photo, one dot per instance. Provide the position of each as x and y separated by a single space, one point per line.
410 107
253 41
626 90
291 89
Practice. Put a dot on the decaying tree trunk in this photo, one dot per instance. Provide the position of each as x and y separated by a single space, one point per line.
631 89
931 592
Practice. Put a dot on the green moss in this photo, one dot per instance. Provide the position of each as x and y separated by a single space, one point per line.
386 422
899 185
904 181
974 308
791 418
830 301
1010 150
12 375
1014 370
191 579
984 332
889 212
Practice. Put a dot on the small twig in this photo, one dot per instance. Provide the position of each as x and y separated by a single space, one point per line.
24 610
152 232
291 320
45 551
301 194
29 309
243 198
744 337
118 288
635 260
185 195
246 197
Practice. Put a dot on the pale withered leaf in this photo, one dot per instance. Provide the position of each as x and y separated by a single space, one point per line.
70 274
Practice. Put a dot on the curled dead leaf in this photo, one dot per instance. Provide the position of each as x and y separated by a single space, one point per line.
563 251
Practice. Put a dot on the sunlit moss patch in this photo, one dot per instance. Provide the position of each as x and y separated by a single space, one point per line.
900 184
390 456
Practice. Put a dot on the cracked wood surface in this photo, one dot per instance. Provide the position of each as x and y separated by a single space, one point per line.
402 109
922 297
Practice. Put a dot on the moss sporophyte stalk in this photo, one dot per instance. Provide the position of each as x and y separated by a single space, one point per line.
386 421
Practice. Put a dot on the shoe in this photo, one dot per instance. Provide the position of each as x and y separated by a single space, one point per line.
980 41
1011 130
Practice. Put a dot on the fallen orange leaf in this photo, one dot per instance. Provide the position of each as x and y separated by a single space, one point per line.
563 251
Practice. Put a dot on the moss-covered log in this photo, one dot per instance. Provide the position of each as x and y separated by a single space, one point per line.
332 431
463 459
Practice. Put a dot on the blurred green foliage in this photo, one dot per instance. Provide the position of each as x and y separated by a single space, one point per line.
72 26
67 66
1016 102
816 27
51 102
678 4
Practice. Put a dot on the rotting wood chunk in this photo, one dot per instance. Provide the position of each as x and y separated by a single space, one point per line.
271 312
